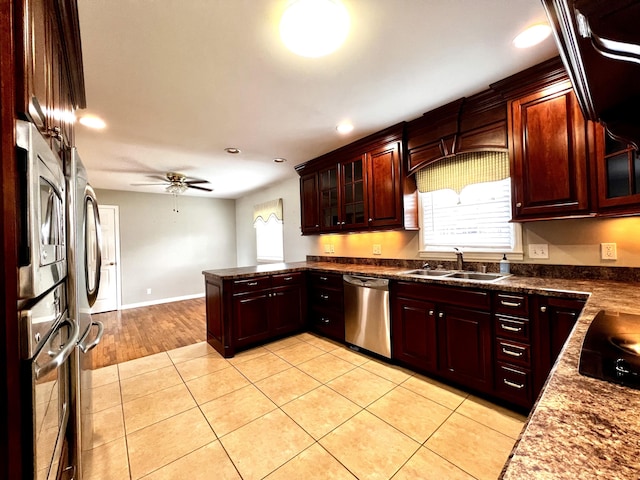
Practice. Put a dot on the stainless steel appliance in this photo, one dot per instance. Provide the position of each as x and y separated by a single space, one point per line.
611 349
83 283
42 230
367 322
48 337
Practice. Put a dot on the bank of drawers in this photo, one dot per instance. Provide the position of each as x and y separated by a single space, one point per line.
512 343
326 304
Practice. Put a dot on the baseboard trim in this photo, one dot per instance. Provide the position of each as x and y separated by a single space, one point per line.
161 300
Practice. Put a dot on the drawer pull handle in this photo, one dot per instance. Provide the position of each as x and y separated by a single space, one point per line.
510 304
324 297
324 279
519 386
509 328
324 320
506 351
287 279
252 284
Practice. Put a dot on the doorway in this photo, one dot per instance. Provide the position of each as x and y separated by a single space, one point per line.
109 290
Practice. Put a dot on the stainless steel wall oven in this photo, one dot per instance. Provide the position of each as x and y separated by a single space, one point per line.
42 242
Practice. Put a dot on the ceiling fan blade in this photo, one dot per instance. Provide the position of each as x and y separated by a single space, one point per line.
200 188
144 184
158 177
191 182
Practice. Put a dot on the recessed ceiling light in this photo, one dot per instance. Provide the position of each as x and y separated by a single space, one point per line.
92 121
314 28
532 36
279 160
232 150
344 128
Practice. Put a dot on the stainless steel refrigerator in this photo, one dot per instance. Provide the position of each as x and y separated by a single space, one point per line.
84 259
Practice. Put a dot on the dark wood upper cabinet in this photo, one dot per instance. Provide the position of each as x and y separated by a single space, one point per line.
477 123
598 41
359 187
549 157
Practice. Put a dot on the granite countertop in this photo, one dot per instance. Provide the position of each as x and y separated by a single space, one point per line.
580 427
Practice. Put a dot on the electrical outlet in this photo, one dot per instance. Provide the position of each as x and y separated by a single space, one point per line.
539 250
327 248
332 248
608 251
377 249
148 291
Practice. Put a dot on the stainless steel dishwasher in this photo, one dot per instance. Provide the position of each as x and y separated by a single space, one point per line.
367 322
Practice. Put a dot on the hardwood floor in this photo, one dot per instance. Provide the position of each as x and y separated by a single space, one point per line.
138 332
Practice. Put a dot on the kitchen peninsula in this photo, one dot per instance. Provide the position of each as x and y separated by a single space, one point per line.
579 427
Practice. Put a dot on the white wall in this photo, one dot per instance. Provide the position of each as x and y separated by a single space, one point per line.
167 251
296 247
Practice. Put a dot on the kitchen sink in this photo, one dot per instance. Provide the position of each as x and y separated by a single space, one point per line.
428 273
487 277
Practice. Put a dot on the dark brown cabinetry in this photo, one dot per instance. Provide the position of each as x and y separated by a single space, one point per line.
254 310
477 123
53 85
618 168
549 154
326 304
554 318
358 187
443 330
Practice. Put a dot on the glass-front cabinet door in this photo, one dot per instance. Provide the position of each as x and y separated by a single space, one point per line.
329 211
619 173
354 204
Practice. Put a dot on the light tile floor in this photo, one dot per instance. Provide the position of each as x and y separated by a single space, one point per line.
299 408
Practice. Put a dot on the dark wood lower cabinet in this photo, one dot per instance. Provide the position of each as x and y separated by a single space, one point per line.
326 304
247 312
465 346
414 336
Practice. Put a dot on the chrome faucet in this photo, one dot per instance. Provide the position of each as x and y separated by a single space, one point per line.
426 266
459 259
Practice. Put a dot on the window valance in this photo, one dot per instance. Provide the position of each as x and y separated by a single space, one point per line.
465 169
266 210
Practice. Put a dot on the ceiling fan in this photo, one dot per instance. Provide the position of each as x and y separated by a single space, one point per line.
177 183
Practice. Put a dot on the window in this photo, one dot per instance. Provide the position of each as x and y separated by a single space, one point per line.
268 222
466 202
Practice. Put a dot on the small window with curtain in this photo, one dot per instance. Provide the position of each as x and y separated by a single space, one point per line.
465 202
268 222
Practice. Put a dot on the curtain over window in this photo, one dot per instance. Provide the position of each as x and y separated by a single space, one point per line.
268 221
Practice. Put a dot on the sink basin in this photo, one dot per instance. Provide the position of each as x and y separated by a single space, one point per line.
487 277
428 273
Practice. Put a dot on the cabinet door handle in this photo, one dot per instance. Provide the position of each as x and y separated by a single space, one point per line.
543 309
317 226
431 313
519 386
509 328
519 204
510 304
252 284
371 219
506 351
441 315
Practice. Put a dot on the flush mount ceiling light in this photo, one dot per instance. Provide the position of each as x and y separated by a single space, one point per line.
532 36
314 28
279 160
92 121
232 150
344 128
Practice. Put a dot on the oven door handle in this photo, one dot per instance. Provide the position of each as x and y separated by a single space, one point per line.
59 356
96 341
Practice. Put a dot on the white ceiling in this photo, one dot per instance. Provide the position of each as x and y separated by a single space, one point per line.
177 81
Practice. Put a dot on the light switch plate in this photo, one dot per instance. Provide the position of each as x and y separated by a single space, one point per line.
608 251
332 248
377 249
327 248
539 250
